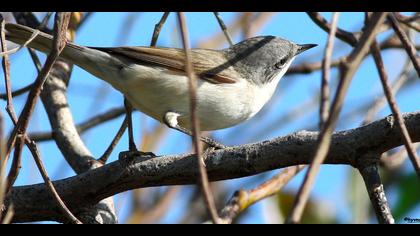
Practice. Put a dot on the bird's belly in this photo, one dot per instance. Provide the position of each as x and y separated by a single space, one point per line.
218 105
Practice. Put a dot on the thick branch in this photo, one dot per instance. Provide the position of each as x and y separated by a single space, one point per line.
33 203
370 174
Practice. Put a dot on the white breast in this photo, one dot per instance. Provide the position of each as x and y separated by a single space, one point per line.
219 106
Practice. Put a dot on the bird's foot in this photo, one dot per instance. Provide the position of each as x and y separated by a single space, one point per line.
135 154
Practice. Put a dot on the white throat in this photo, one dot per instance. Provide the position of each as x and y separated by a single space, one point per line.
263 93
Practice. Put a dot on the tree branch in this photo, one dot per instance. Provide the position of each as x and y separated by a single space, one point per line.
223 27
104 158
18 92
370 174
34 203
157 29
325 73
243 199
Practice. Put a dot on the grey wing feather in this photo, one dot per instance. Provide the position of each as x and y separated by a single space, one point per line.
209 65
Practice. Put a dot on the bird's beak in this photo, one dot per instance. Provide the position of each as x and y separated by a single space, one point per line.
304 47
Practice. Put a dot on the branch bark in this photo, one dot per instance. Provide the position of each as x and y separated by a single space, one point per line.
34 203
370 174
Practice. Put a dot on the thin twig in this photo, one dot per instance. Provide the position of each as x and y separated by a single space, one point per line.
341 34
325 76
324 140
104 158
223 27
35 60
235 27
204 182
6 72
44 21
16 163
380 101
394 160
412 25
14 50
394 42
158 28
35 153
370 174
9 215
306 68
243 199
394 107
62 206
14 170
409 47
409 21
17 92
83 126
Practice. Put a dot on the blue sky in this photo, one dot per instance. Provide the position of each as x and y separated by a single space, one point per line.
101 30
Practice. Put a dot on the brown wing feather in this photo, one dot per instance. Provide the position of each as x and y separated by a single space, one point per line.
210 65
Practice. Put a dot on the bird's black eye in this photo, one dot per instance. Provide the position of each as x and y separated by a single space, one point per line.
281 63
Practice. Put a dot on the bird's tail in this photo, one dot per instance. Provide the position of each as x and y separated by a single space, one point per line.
94 61
38 40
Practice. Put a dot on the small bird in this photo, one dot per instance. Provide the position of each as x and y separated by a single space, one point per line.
233 84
